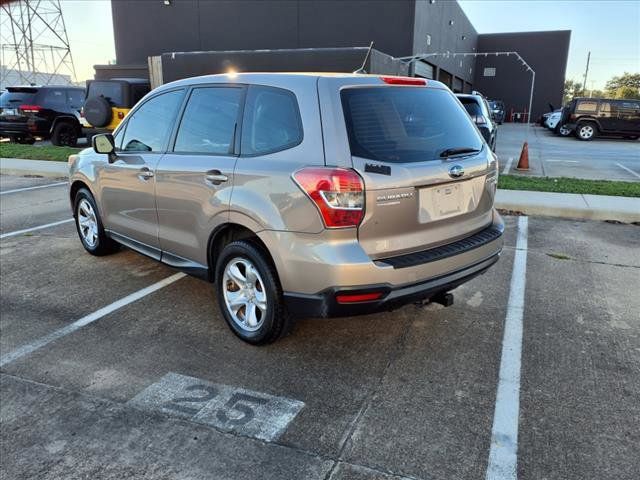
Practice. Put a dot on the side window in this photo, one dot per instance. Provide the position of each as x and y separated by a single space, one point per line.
209 121
587 106
148 128
55 97
75 98
271 121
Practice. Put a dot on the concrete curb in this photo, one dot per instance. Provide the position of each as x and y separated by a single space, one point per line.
43 168
570 205
560 205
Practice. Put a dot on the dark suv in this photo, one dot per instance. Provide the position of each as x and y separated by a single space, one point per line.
590 117
478 109
50 111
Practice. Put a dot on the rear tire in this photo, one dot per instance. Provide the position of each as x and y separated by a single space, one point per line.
586 131
89 225
64 134
249 294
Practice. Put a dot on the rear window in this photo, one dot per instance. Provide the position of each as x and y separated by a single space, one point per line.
471 106
405 124
13 99
112 91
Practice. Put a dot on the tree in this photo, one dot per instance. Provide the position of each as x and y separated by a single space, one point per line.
626 92
631 80
571 89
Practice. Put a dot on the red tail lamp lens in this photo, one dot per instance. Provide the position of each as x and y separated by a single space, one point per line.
337 192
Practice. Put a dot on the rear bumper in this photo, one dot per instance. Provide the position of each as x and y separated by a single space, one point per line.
325 304
23 129
425 274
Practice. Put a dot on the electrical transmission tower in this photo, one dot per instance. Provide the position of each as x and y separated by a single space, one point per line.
34 45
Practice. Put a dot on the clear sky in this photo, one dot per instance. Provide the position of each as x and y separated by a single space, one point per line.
610 29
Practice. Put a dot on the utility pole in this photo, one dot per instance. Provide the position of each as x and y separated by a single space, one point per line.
586 72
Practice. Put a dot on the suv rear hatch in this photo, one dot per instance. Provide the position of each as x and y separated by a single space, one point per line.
16 105
429 177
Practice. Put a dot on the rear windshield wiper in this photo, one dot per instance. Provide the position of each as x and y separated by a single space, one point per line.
450 152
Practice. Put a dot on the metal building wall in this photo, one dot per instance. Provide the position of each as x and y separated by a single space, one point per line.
546 52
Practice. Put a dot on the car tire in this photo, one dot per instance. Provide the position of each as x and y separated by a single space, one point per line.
586 131
562 131
246 279
65 134
89 225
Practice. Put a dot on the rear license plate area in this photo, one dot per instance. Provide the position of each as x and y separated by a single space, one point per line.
441 202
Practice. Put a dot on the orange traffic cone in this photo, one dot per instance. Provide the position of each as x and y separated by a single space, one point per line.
523 163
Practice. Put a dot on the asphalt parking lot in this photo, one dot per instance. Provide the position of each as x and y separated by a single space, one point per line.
96 383
603 158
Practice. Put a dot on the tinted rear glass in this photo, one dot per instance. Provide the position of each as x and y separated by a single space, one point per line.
405 124
471 106
15 99
112 91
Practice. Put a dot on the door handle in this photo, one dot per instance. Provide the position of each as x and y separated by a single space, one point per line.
215 177
145 174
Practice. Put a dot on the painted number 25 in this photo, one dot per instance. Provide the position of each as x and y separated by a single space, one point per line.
238 410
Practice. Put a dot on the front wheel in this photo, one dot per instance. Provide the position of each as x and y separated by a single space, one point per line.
249 294
89 225
563 131
586 131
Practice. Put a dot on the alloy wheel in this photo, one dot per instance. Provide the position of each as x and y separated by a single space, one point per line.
244 294
87 223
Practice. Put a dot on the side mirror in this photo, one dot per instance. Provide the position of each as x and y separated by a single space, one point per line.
103 143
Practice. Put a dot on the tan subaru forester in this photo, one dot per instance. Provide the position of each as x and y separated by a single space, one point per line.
308 195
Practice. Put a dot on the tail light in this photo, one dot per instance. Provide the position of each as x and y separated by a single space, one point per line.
337 192
404 81
479 119
30 108
120 115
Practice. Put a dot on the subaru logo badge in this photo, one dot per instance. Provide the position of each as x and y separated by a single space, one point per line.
456 171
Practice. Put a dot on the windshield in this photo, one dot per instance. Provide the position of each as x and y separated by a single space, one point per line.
13 99
112 91
405 124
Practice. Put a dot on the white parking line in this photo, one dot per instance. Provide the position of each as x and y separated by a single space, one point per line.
92 317
562 161
33 188
507 166
33 229
628 170
503 459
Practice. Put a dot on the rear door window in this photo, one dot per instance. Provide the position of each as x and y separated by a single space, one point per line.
54 97
148 128
209 121
75 98
405 124
271 121
472 107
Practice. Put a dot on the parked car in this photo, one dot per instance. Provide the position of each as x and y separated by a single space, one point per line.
498 111
553 119
49 112
109 101
590 117
478 109
309 195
